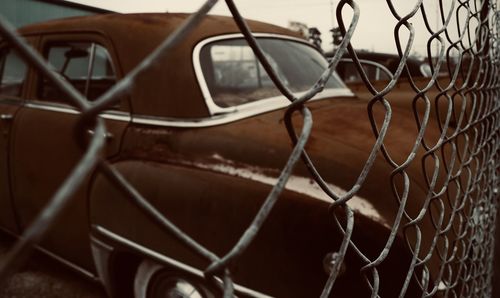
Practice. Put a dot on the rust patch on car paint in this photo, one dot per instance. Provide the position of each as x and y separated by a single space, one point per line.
302 185
153 132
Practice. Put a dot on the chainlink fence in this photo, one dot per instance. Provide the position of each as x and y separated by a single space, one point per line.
460 166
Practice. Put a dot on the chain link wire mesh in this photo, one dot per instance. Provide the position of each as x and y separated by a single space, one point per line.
461 166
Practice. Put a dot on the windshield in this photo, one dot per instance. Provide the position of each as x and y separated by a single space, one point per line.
234 75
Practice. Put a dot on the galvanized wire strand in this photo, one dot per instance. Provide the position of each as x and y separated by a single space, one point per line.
359 252
399 169
271 199
442 138
459 122
259 53
340 255
395 226
132 194
435 67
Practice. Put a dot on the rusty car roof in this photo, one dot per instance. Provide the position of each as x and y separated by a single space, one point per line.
113 23
171 88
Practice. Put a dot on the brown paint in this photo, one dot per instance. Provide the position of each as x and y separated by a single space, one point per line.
215 208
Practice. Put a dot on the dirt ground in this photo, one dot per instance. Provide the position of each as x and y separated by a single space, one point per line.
43 277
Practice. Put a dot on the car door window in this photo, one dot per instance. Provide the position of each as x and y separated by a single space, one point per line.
87 66
12 73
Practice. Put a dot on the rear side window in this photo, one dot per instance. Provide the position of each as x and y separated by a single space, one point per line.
87 66
234 75
12 73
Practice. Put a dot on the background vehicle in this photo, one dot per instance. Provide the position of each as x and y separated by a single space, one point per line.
379 66
380 69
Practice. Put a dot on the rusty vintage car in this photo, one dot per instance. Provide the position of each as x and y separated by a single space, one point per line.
201 136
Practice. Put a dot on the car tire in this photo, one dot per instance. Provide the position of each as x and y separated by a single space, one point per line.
153 280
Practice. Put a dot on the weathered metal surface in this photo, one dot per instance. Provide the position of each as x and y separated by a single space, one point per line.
400 184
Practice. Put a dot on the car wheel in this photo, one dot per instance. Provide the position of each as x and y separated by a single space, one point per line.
153 280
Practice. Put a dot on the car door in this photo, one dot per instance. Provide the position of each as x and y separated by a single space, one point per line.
13 79
44 149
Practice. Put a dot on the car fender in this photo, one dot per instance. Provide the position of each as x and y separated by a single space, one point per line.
215 209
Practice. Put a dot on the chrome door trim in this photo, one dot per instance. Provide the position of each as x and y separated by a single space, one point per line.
250 110
77 268
69 264
62 108
262 106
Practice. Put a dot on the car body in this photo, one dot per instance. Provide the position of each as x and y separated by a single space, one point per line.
379 66
205 149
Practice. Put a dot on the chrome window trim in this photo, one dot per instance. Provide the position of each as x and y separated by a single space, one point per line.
373 63
67 263
270 105
11 100
213 108
423 70
163 258
62 108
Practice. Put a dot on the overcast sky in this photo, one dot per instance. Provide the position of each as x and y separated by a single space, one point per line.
374 32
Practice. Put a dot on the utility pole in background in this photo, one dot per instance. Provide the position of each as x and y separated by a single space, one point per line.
335 31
